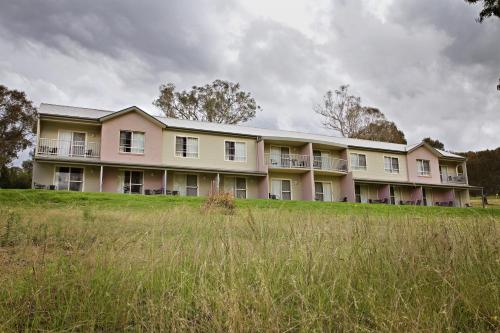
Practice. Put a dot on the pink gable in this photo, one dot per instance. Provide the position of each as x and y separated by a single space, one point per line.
423 153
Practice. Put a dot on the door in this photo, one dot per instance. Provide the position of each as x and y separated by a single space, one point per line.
78 144
132 182
192 185
363 193
285 157
64 143
427 196
275 156
327 192
276 188
443 172
317 159
397 195
392 194
180 183
318 191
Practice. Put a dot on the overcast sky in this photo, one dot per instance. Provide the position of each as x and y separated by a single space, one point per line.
425 63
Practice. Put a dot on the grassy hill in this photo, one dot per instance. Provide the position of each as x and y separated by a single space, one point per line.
111 262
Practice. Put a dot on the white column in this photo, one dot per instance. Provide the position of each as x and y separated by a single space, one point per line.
100 178
217 183
164 182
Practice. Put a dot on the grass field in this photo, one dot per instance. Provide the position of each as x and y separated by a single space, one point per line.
110 262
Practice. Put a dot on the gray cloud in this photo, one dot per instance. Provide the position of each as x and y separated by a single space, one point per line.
428 65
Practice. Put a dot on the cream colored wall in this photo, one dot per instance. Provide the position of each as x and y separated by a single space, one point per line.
211 152
49 129
375 166
336 188
295 182
44 173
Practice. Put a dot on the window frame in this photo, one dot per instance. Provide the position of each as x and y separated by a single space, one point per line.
358 167
281 194
191 187
391 170
235 160
55 181
130 181
423 173
186 137
132 132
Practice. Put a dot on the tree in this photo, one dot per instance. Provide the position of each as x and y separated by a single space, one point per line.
434 143
218 102
490 8
483 169
17 124
382 130
344 113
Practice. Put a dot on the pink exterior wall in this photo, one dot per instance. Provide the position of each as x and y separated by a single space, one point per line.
416 194
263 187
153 179
347 187
422 153
110 180
384 192
133 121
261 165
443 195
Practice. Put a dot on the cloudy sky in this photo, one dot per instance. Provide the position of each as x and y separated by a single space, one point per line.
425 63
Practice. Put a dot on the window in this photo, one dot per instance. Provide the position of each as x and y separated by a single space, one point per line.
192 185
132 142
235 151
282 189
132 182
186 146
236 186
423 168
391 164
358 161
323 191
69 179
357 192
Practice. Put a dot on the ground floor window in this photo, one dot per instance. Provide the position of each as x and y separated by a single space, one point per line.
357 192
237 186
323 191
69 179
132 182
192 185
282 189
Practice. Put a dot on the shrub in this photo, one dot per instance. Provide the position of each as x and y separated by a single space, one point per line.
220 201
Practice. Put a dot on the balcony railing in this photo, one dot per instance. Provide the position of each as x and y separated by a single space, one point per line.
63 148
458 179
288 161
329 164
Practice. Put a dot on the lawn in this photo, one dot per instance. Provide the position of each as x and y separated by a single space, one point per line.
110 262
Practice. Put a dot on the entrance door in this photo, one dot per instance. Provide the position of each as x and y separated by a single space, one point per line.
64 143
132 182
443 172
393 197
78 144
427 196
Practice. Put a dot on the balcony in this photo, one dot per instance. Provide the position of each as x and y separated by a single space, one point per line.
329 164
287 161
62 148
458 179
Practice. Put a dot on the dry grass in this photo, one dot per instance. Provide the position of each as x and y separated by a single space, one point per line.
183 269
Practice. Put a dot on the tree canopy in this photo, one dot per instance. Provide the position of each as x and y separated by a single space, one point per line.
344 113
17 124
490 8
219 102
434 143
483 169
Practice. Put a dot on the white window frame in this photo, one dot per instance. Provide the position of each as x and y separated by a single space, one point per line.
281 194
391 169
181 153
130 181
71 143
327 183
226 156
133 149
357 166
420 171
55 180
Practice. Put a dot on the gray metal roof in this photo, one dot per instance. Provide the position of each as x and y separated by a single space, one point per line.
269 134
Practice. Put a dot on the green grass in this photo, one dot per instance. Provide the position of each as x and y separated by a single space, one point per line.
110 262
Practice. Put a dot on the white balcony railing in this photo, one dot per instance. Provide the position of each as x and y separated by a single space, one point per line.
289 161
63 148
458 179
329 163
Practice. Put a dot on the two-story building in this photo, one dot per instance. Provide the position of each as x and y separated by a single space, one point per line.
130 151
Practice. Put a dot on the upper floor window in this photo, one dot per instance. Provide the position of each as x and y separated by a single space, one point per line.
235 151
132 142
391 164
423 167
186 146
358 161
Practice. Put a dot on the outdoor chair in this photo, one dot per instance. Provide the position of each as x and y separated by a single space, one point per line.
345 199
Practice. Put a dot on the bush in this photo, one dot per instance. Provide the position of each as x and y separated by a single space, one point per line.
220 201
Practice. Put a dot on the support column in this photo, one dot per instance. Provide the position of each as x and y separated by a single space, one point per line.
307 179
217 183
100 178
165 182
264 187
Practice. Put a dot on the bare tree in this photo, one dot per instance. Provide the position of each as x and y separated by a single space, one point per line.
343 112
219 102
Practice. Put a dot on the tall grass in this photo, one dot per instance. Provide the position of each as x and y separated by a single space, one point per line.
182 269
